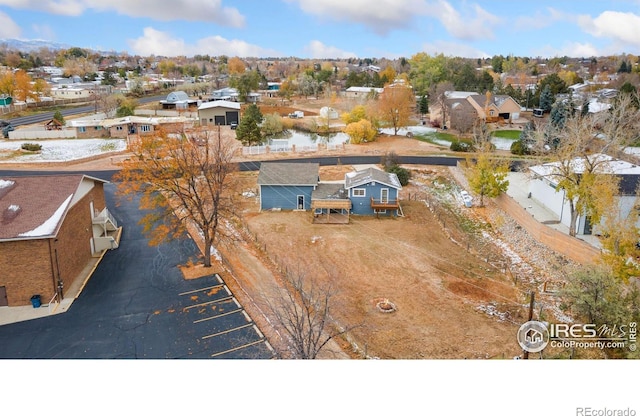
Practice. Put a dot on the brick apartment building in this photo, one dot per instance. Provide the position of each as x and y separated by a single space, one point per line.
50 228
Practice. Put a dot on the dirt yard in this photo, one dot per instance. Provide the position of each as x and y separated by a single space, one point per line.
449 303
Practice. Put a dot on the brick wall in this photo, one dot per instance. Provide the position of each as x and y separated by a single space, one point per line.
28 267
74 238
25 270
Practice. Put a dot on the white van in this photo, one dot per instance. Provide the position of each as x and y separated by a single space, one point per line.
538 112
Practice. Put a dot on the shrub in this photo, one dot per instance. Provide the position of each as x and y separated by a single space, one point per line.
361 132
31 147
519 147
460 146
403 174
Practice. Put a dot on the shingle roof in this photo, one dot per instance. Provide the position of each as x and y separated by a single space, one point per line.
362 177
274 173
27 203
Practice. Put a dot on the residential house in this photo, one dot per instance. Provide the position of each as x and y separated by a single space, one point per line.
373 192
297 186
178 100
287 185
464 108
51 227
362 92
219 113
543 188
96 127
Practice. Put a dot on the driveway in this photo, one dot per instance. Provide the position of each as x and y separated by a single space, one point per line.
138 305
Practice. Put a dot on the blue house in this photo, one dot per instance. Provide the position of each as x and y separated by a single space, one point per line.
287 185
373 191
297 186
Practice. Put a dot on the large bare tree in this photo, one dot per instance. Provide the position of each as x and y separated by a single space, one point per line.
302 308
182 179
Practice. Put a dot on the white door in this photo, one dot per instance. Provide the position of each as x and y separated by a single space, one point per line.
384 195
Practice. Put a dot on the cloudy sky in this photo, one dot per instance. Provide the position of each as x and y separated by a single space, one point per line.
331 28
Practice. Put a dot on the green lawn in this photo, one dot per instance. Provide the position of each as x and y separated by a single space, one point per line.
507 134
432 137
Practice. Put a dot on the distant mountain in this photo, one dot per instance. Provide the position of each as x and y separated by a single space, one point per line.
30 45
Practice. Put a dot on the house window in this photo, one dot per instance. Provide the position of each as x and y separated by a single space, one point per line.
119 128
491 113
359 192
145 128
82 129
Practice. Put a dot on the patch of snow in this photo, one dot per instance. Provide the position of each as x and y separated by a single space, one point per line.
413 129
61 150
5 184
49 226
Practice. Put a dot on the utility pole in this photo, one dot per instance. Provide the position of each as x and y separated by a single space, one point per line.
531 302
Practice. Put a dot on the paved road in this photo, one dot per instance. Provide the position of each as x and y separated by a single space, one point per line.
137 305
46 116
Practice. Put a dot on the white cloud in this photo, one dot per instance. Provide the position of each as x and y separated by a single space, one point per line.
381 16
539 20
191 10
8 28
453 49
570 49
617 26
473 23
155 42
317 49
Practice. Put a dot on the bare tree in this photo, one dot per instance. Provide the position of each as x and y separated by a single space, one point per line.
302 308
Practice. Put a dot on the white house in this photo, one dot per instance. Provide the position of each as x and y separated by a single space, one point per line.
543 188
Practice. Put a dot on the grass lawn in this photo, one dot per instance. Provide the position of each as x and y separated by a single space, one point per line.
507 134
437 137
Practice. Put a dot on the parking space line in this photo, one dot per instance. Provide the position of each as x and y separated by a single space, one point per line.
208 303
227 289
258 331
237 348
217 316
199 290
227 331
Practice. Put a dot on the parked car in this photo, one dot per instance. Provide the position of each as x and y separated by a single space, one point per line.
234 126
6 129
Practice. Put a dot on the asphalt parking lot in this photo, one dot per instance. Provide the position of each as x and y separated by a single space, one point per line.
138 305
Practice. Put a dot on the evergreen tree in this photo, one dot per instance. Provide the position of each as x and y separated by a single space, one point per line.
546 99
423 105
58 116
248 131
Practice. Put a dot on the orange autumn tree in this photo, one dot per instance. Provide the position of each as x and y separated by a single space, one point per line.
181 180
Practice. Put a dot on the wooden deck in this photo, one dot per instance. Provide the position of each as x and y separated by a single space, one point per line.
391 204
331 218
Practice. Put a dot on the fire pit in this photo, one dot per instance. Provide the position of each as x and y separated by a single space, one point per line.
385 306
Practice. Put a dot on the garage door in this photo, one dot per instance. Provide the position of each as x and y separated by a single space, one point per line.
219 120
232 117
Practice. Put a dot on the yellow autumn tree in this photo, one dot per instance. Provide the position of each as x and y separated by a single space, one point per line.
182 181
394 107
361 131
